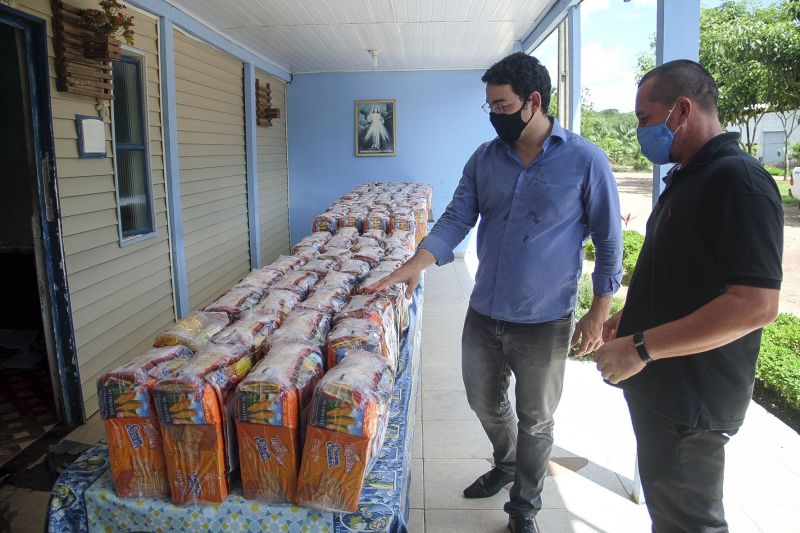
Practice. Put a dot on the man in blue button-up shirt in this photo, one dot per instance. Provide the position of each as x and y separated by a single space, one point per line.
540 191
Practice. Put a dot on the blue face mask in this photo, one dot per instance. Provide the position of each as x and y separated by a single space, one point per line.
656 141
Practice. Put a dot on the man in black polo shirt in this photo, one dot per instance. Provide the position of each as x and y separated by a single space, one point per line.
708 279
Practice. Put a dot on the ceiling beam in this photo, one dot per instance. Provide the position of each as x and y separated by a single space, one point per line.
551 19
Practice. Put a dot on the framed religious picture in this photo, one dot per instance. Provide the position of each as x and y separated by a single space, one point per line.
375 127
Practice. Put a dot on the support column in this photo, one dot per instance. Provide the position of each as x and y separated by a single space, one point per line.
252 164
172 169
574 68
677 37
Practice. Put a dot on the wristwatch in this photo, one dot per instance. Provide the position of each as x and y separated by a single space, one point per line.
638 342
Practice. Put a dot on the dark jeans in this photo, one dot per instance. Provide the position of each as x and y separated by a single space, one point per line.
682 470
536 353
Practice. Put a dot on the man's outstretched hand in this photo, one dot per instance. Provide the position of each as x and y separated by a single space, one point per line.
408 273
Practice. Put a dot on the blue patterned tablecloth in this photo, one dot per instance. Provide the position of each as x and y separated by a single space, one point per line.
83 499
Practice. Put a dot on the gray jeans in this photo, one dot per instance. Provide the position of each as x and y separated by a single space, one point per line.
536 353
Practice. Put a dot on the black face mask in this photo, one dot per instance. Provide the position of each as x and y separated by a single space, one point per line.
508 127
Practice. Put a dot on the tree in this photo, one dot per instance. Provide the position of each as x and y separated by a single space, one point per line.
646 62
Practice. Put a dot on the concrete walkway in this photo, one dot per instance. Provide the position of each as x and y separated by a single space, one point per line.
589 483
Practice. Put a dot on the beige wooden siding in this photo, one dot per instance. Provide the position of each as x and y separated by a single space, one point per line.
210 108
121 296
273 177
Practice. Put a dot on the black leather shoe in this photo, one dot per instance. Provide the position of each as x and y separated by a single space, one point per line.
488 484
522 524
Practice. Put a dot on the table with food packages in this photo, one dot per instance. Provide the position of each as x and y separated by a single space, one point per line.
287 404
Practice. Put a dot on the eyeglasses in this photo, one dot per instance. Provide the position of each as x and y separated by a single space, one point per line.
497 107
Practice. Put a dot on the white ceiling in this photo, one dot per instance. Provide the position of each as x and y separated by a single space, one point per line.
334 35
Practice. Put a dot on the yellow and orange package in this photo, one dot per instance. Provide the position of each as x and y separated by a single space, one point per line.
127 408
271 408
194 412
194 330
346 427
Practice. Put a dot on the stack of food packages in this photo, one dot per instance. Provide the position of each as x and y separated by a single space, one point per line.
246 371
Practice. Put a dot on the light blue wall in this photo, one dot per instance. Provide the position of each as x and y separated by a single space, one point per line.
439 125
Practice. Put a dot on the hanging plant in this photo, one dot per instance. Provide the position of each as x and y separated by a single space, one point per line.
106 24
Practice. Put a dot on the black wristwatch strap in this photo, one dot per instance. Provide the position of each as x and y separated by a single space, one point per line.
638 342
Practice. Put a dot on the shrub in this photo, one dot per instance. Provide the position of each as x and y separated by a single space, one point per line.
778 367
632 242
585 295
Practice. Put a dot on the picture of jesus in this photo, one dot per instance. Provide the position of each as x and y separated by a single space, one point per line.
375 127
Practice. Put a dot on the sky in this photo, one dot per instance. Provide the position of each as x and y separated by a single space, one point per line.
613 34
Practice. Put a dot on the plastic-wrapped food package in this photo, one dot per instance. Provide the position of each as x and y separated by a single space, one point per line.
303 326
277 303
126 402
271 413
306 253
401 238
297 281
346 428
357 267
328 299
366 242
197 423
238 299
193 331
261 278
353 220
395 293
339 255
337 242
371 255
379 309
285 263
378 235
359 334
377 221
320 266
348 232
315 240
325 222
250 331
403 222
398 253
337 279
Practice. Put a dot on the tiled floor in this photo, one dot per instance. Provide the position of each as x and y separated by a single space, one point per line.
589 483
590 476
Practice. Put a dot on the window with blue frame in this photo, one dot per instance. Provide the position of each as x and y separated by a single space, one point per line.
131 154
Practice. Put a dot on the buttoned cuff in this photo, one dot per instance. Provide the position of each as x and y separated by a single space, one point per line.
439 248
603 285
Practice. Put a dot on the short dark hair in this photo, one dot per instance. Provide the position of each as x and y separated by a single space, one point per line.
683 77
524 74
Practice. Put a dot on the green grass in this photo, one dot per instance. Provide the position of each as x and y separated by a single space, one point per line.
783 187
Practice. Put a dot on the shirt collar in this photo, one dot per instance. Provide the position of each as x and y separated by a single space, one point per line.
556 132
703 155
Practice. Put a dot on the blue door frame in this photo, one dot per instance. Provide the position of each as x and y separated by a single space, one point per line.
69 399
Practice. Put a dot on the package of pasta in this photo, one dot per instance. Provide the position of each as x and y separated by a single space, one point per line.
285 263
261 278
297 281
379 309
346 428
366 242
250 331
359 334
325 222
320 266
194 330
371 255
271 412
131 423
303 326
347 231
356 267
337 279
276 304
197 422
340 242
239 298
